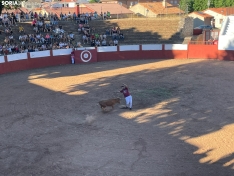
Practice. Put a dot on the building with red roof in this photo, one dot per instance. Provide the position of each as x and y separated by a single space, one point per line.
153 9
215 15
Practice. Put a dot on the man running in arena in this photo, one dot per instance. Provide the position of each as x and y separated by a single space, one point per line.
127 96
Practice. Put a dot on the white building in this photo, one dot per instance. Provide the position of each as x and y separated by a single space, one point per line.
219 14
31 4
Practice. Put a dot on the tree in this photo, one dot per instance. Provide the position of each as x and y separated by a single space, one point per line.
94 1
200 5
16 4
186 5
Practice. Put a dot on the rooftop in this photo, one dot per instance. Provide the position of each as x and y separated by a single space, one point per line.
158 8
202 14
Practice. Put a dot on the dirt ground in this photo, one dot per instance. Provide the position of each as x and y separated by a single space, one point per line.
181 123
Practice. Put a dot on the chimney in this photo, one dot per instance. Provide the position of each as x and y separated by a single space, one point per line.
164 3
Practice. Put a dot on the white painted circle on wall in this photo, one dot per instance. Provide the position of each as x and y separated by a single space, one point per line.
85 56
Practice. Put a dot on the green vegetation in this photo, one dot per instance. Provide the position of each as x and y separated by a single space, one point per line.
199 5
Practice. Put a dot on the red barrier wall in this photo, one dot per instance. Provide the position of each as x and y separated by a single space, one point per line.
226 55
129 55
203 52
193 51
175 54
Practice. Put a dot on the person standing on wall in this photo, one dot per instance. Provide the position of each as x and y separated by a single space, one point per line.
127 96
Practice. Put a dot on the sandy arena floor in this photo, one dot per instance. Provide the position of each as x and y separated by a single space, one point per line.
182 122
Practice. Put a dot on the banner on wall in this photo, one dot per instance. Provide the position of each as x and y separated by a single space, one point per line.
15 57
2 60
39 54
85 55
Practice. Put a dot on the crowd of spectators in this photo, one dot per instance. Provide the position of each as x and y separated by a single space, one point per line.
49 34
90 36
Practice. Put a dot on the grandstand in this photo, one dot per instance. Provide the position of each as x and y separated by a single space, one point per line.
135 30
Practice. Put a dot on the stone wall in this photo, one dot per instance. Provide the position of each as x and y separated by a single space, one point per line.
186 27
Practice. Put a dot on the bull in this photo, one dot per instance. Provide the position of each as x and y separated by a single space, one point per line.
110 102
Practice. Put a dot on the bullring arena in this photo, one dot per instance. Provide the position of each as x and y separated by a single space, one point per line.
181 122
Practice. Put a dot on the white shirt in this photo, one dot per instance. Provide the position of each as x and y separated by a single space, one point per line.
115 42
60 44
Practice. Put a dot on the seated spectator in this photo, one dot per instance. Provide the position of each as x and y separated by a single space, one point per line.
107 32
96 36
32 38
111 43
21 38
1 53
84 39
104 16
16 49
97 43
42 40
35 28
100 37
108 15
52 38
47 38
57 30
43 46
74 16
114 34
93 30
88 37
118 30
104 42
7 31
5 21
9 49
92 37
36 48
21 29
65 16
11 31
62 31
40 26
64 38
38 36
6 40
87 28
11 39
34 22
115 42
79 30
61 44
104 36
79 45
13 48
93 43
30 49
27 16
121 36
71 36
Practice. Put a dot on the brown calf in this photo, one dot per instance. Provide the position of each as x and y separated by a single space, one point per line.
110 102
